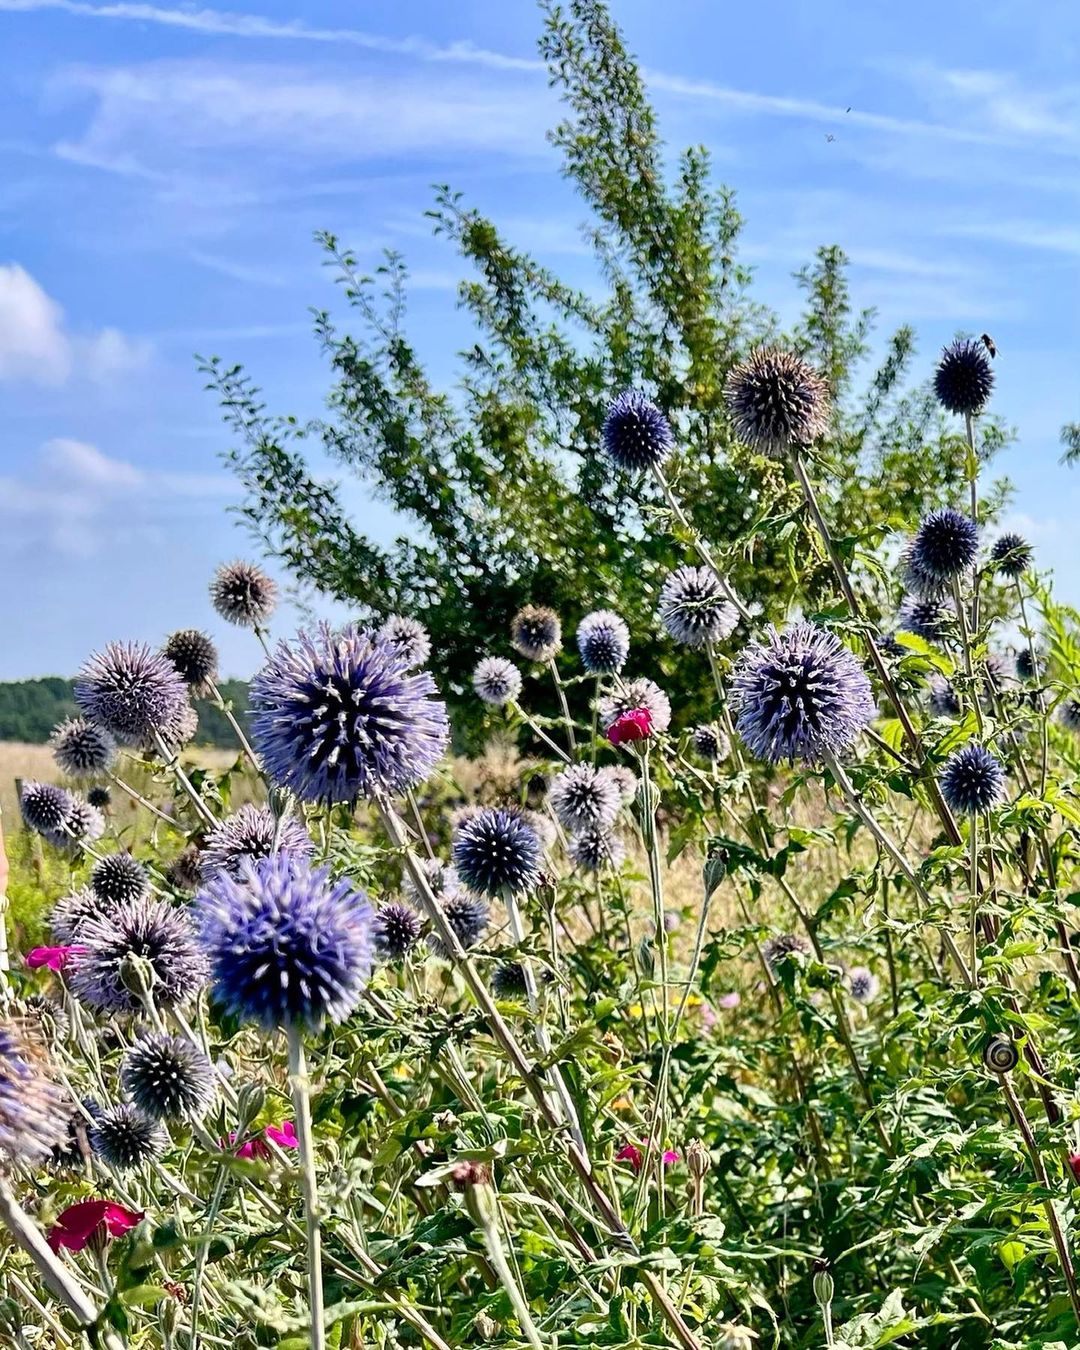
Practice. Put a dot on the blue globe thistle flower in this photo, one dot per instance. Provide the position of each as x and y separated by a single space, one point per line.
84 823
119 878
1070 714
915 579
396 930
81 748
945 545
251 833
943 699
777 401
639 693
925 618
863 984
710 742
693 608
132 691
71 911
497 680
508 980
99 796
177 732
536 633
168 1078
184 873
496 851
964 378
337 716
777 948
152 931
636 433
1011 555
45 807
46 1016
441 877
467 915
972 780
1029 666
595 848
603 641
625 780
583 795
288 945
409 636
123 1137
800 694
31 1105
243 594
195 657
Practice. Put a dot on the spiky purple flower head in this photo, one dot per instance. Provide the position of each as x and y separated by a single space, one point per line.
536 633
636 435
71 911
84 823
195 657
800 694
693 608
1011 555
863 984
243 594
167 1077
123 1137
287 945
776 401
639 693
396 930
184 873
945 545
972 780
150 931
508 980
1070 714
582 795
603 641
942 698
336 716
925 618
99 796
496 851
964 378
777 948
1029 665
31 1105
496 680
118 878
132 691
409 636
595 848
251 833
710 742
625 779
45 807
81 748
468 915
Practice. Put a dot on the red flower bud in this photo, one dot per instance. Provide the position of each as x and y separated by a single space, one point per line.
635 725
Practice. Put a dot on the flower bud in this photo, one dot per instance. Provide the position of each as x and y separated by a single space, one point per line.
733 1337
646 957
485 1326
698 1159
823 1283
250 1101
138 975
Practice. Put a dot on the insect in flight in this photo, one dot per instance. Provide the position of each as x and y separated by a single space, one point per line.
988 342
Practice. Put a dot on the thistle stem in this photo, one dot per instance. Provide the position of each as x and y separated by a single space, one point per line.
700 546
301 1094
172 761
538 731
561 691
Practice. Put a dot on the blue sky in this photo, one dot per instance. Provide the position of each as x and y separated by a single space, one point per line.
162 171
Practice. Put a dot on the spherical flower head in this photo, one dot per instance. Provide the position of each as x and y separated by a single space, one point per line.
777 401
195 657
178 732
100 797
1029 665
603 641
336 716
945 545
582 796
468 915
243 594
800 695
496 680
942 698
636 435
497 851
81 748
925 618
288 945
45 807
863 984
710 742
595 848
46 1016
118 878
441 878
1011 555
972 780
964 378
123 1137
84 823
168 1078
409 636
536 633
693 608
396 931
184 873
1070 714
508 980
152 931
31 1105
625 780
251 833
71 911
132 691
777 948
636 694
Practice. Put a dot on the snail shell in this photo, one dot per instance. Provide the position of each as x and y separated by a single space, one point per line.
1001 1054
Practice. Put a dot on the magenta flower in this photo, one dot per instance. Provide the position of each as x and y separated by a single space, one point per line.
52 958
79 1223
284 1136
730 1000
633 1155
635 725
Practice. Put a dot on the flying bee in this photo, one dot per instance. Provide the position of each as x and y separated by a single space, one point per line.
988 342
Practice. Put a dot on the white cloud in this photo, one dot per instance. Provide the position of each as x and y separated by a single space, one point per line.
37 346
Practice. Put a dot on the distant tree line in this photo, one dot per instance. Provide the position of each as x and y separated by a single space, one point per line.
29 709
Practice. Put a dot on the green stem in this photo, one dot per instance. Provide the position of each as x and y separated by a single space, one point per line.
301 1095
561 691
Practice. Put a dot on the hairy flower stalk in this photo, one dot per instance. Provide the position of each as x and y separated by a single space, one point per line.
300 1086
